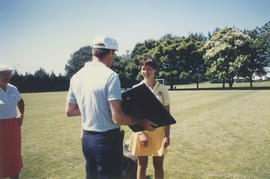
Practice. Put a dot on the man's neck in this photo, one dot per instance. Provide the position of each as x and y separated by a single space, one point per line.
95 59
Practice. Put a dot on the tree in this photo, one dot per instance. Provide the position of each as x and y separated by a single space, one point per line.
171 62
52 75
41 80
180 59
17 80
194 62
223 52
121 65
174 56
138 53
41 73
77 60
265 38
254 61
168 37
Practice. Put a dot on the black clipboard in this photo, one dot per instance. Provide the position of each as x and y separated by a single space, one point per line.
139 102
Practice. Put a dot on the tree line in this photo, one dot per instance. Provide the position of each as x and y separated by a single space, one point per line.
223 56
40 81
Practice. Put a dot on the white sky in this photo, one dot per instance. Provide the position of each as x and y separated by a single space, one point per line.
45 33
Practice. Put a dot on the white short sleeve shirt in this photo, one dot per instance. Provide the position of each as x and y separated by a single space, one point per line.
8 102
92 88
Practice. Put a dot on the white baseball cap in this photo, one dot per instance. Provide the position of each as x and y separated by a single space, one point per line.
109 43
5 68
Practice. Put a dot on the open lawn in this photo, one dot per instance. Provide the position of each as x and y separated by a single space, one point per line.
218 134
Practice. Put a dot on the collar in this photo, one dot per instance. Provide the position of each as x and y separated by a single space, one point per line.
94 63
155 87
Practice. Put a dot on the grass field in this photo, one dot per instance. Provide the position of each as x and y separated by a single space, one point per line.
218 134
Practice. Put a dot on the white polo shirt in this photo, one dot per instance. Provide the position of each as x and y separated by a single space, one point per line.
91 88
8 102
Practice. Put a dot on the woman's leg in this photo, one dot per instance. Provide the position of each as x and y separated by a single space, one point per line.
15 177
158 165
142 165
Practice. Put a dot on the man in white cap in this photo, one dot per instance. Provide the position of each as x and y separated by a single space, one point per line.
10 123
95 94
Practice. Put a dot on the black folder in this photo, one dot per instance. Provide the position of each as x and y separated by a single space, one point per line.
139 102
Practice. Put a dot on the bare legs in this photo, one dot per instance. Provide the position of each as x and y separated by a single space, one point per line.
15 177
142 166
158 165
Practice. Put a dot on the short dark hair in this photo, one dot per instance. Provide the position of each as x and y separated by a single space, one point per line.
100 52
149 61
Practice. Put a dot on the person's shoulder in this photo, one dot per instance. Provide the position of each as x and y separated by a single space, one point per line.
111 71
77 74
162 87
74 76
101 66
12 87
137 84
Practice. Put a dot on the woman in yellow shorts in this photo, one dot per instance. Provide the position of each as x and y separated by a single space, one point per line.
151 143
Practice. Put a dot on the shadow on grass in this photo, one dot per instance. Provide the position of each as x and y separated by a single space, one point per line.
149 177
233 88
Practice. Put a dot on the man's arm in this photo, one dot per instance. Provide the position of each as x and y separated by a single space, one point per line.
120 118
72 110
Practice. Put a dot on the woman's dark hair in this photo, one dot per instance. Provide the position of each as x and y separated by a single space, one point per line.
149 61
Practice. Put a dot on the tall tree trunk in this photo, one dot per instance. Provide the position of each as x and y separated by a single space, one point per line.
250 81
197 84
231 83
223 84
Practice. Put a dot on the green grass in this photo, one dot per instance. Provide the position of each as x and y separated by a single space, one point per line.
239 85
218 134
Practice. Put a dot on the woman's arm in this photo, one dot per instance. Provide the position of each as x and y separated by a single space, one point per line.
20 107
167 131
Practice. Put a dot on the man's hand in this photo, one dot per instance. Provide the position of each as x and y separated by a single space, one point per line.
20 119
148 125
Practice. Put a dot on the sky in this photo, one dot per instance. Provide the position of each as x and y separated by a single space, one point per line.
44 34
